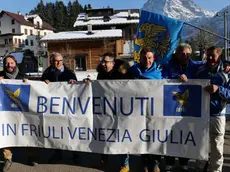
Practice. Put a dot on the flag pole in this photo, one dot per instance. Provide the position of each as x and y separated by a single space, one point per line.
205 30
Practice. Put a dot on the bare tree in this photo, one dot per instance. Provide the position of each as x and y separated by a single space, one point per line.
203 40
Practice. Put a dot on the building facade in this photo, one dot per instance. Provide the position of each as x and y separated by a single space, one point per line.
83 49
18 32
99 31
108 18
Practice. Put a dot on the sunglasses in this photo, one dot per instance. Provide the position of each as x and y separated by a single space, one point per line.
58 61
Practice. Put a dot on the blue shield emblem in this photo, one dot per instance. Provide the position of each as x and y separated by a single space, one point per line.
182 100
14 97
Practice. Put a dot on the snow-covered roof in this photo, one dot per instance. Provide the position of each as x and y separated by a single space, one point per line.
125 14
18 56
73 35
31 16
119 18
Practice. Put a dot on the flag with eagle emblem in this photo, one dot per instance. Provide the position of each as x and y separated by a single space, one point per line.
158 32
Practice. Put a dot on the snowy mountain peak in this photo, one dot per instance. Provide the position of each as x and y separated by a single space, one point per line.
185 10
188 11
217 22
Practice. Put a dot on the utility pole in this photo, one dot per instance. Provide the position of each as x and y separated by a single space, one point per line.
226 36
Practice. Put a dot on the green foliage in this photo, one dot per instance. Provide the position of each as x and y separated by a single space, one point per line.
59 15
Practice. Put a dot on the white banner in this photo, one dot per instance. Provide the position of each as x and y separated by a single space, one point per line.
113 117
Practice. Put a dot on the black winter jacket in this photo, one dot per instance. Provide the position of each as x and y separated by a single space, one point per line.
119 71
55 75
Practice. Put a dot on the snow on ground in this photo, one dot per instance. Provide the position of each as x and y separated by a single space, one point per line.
84 74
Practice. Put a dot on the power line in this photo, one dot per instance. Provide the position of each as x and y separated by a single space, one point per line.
205 30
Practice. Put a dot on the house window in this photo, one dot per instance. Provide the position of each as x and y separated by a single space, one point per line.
10 41
38 33
26 32
31 43
0 32
15 40
12 21
6 41
99 13
19 41
13 30
0 23
26 42
44 33
38 24
31 32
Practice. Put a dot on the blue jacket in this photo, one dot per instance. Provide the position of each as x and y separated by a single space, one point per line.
220 78
172 70
139 72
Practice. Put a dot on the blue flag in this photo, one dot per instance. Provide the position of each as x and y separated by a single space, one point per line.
158 32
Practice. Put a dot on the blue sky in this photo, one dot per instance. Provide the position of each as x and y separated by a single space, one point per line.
26 5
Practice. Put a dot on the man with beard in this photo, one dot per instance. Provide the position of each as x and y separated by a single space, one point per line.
58 72
219 90
11 71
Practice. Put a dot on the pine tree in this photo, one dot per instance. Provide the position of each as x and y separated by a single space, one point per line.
85 8
41 8
49 13
60 18
76 9
89 6
69 13
59 15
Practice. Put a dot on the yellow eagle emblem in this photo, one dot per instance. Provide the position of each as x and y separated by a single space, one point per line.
14 96
182 98
155 37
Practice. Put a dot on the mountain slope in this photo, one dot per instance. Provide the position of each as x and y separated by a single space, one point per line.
185 10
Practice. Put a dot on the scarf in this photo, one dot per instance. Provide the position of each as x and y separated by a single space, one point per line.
12 75
57 73
214 68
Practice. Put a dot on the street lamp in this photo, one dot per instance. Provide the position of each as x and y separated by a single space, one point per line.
226 35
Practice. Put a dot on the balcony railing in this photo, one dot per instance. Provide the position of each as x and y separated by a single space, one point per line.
38 37
128 47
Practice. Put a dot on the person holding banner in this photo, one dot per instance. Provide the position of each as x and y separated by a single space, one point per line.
219 90
181 67
58 72
148 69
111 69
11 71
